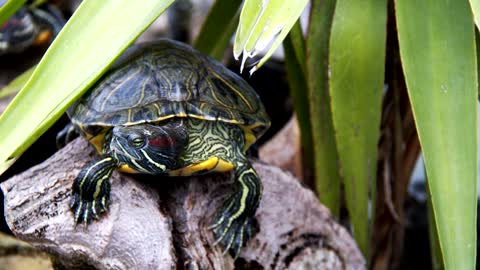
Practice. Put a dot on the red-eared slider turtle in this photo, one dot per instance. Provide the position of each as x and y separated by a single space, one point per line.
164 108
30 25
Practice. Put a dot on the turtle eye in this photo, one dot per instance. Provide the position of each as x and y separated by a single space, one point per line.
138 142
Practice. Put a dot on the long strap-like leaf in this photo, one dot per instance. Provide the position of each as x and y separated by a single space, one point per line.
437 47
327 167
357 60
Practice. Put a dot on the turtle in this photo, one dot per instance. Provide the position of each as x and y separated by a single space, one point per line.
31 25
164 108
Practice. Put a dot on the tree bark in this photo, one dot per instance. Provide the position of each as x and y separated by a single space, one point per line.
161 222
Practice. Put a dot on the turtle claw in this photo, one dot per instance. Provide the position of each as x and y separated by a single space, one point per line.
233 234
85 211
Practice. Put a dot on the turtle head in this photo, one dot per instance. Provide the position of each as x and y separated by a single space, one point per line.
149 148
18 32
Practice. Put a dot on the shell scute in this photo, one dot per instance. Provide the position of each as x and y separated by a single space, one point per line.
156 81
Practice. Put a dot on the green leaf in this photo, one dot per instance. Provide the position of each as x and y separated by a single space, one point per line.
17 84
294 47
36 3
298 43
218 28
477 46
439 62
475 5
9 8
357 61
327 177
263 26
95 35
437 262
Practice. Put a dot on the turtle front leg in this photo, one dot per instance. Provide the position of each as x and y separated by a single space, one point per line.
66 135
235 222
91 190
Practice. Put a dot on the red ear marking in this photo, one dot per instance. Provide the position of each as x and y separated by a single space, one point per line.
5 25
163 141
13 22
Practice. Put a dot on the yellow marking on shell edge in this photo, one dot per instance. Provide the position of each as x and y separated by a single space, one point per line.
158 120
250 138
213 164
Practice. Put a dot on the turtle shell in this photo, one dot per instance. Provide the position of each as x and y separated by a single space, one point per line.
155 81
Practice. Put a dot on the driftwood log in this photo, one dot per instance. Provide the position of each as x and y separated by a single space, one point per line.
161 222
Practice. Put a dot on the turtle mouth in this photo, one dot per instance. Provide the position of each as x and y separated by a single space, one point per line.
134 160
129 160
